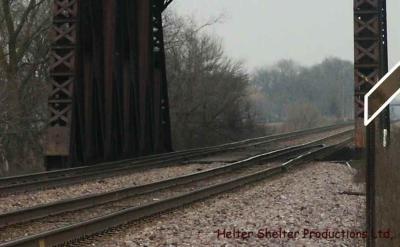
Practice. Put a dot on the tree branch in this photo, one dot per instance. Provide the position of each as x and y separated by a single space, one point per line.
24 17
7 16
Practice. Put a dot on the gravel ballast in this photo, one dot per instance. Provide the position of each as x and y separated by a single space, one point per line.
18 201
65 219
308 200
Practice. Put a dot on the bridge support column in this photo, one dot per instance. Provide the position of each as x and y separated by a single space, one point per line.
370 56
62 76
110 97
370 64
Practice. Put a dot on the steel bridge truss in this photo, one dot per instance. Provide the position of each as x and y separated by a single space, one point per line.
370 64
370 56
109 97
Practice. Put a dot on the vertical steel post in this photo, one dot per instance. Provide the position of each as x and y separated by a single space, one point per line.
366 58
162 128
62 72
144 58
370 55
370 64
109 12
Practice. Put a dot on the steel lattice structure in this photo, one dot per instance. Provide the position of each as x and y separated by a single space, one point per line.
370 55
74 117
63 75
109 96
370 64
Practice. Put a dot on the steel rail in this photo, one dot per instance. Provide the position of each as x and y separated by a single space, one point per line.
67 205
76 170
42 180
100 224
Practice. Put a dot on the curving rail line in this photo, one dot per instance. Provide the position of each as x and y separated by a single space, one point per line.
81 174
303 153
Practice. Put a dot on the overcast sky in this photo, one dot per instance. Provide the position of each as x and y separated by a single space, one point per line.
261 32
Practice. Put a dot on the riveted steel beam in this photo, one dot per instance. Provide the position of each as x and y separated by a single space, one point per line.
370 64
370 56
63 75
110 96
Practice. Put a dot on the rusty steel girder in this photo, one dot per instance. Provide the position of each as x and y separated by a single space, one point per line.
370 56
63 75
110 96
370 64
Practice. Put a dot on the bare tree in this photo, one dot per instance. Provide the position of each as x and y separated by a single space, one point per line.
24 47
208 90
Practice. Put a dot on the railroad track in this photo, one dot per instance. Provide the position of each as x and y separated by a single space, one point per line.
123 206
82 174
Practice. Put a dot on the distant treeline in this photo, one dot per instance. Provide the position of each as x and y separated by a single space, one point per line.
213 99
290 92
